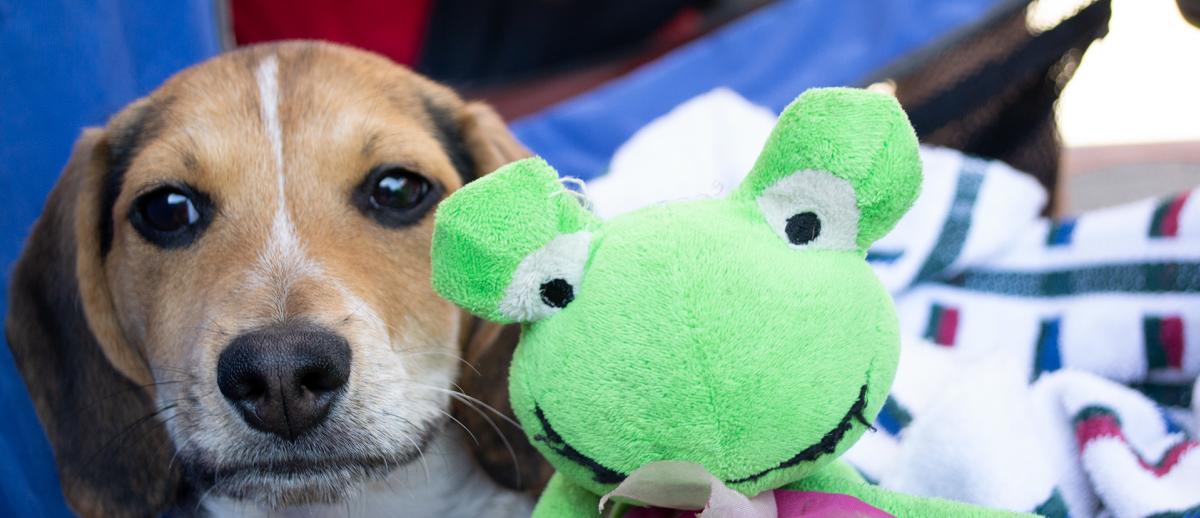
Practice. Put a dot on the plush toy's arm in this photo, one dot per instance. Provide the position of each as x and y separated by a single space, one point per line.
562 499
840 478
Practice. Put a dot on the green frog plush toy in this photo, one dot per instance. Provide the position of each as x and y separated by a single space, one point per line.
711 356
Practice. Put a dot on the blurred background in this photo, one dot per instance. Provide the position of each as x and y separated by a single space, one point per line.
1097 99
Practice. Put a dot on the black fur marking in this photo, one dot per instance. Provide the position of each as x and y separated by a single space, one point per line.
449 135
124 143
605 475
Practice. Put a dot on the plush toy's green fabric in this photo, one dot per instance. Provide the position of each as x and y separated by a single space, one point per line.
745 334
485 234
858 136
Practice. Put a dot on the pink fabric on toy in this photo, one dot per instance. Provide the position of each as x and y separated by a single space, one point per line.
789 504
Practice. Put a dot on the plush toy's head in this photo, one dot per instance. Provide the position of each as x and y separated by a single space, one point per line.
746 334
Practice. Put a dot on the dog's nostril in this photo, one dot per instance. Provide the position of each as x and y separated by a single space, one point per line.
322 380
251 386
284 379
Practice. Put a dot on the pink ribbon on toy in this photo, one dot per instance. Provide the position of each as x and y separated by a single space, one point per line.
676 489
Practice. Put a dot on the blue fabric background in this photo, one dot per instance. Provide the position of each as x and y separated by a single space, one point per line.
768 57
70 64
65 65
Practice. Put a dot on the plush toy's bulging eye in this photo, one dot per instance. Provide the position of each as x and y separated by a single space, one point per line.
803 228
812 209
547 279
557 293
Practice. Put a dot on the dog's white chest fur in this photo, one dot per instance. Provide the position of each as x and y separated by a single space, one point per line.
453 486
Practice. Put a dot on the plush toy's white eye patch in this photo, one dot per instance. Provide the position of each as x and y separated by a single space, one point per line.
812 209
546 280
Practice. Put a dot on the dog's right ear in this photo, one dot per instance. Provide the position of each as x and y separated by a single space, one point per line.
113 454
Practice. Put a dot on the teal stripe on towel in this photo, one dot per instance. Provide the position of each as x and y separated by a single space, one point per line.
1108 278
958 220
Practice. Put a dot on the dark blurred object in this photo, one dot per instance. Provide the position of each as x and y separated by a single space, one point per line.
991 90
474 42
394 29
1190 10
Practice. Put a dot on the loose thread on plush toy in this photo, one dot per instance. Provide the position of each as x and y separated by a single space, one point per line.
575 187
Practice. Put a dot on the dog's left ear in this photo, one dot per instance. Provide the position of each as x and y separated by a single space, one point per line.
487 139
92 391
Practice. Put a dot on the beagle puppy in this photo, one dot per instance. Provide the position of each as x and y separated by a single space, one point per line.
225 307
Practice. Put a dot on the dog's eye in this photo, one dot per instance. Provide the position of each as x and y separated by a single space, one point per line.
400 190
168 210
169 216
396 196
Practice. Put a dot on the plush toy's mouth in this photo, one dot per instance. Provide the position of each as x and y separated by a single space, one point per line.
605 475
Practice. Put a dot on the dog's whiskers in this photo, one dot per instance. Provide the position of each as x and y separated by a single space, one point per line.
130 427
439 352
471 402
420 453
460 424
105 397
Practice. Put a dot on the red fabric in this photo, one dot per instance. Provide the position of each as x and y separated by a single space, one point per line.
1170 226
1106 425
948 327
1171 335
394 28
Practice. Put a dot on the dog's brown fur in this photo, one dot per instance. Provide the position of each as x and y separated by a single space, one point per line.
118 339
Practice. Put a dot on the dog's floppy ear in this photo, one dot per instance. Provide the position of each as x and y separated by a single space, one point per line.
113 454
487 139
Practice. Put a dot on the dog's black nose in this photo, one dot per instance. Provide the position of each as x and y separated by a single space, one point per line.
284 378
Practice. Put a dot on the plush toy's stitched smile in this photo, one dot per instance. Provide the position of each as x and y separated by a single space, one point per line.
606 475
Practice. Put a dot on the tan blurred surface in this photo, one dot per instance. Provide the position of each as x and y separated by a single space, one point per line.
1130 119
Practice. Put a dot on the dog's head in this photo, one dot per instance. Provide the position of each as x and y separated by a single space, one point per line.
230 282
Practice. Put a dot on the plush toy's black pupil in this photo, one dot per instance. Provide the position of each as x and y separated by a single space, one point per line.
803 228
557 293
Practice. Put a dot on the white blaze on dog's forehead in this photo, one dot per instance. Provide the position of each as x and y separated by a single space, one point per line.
283 260
267 76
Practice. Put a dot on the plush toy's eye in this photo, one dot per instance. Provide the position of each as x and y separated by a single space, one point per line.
547 280
812 209
557 293
802 228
